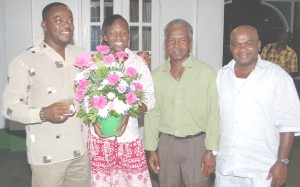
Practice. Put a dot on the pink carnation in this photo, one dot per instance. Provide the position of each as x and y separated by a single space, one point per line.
103 49
99 101
113 79
109 59
131 98
83 84
132 88
121 89
138 86
79 95
131 72
110 105
83 60
121 55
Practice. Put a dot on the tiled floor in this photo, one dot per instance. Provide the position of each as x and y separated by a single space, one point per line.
15 172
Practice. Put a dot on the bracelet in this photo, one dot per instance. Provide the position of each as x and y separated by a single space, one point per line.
42 115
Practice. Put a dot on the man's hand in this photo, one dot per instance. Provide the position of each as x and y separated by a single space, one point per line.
208 163
57 112
278 173
153 161
145 55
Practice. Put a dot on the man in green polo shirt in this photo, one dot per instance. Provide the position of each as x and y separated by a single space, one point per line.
182 132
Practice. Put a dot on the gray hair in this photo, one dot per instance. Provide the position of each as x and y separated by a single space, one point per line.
179 22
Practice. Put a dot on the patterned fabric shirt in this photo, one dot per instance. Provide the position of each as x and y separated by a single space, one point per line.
287 59
38 78
184 107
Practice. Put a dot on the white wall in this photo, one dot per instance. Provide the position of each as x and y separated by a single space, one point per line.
206 18
209 32
18 25
16 34
37 8
3 63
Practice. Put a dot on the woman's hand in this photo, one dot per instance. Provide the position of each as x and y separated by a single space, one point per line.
97 128
122 126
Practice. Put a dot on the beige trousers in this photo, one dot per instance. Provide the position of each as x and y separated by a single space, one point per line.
180 160
71 173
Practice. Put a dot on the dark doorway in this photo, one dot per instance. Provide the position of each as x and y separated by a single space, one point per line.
250 12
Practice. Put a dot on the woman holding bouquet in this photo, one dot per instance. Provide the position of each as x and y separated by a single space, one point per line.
121 160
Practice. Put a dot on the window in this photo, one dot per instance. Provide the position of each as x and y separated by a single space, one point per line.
138 13
99 10
140 25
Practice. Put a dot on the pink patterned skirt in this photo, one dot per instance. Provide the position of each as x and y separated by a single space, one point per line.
116 164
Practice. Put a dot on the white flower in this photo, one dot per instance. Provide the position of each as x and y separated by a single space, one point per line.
103 84
114 65
123 83
120 106
103 112
79 77
92 67
86 102
121 74
111 95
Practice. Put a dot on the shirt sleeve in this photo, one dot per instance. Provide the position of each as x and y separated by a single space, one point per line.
147 82
212 131
286 105
151 129
16 94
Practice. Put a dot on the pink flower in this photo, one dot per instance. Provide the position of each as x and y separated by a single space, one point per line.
83 84
83 60
121 55
121 89
108 59
79 95
103 49
132 88
110 105
138 86
99 101
131 72
131 98
113 79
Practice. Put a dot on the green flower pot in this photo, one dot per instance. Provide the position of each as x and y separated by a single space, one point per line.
109 124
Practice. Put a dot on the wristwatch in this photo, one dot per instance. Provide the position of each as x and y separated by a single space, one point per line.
285 161
213 152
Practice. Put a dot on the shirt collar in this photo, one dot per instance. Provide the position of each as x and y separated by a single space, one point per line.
188 63
260 64
42 47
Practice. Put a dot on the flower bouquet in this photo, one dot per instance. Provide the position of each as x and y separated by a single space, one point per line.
106 90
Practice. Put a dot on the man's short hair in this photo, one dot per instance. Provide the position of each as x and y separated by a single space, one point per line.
47 9
182 23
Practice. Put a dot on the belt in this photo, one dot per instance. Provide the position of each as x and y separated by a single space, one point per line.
181 138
